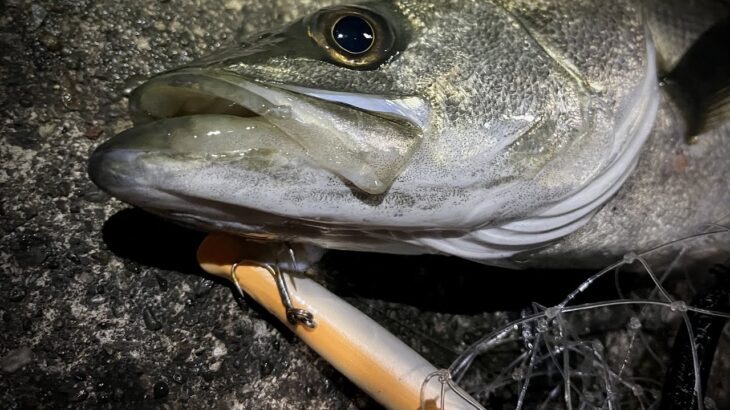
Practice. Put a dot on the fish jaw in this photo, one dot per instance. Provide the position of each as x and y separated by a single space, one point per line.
367 146
217 138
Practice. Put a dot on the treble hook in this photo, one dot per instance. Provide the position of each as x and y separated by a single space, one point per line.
293 315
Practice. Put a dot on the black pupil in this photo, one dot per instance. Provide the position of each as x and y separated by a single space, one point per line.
353 34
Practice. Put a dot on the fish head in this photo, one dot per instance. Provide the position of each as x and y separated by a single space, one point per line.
362 126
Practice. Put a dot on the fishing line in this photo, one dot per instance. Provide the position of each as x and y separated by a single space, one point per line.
570 351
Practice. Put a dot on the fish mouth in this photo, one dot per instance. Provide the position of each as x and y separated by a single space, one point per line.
203 115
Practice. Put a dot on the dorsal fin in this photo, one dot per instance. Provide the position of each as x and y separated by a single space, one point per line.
700 82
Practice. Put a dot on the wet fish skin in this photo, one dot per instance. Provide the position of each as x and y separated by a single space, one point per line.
524 97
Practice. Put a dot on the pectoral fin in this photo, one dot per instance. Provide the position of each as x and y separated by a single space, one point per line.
700 83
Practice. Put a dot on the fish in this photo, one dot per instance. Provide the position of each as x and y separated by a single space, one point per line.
515 133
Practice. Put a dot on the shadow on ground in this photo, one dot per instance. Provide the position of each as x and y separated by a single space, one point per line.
152 241
433 283
451 285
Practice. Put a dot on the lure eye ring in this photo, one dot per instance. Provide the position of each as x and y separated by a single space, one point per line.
321 29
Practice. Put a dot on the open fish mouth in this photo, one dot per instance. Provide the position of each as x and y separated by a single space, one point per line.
365 140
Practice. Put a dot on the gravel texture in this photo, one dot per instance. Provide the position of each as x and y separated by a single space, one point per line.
104 306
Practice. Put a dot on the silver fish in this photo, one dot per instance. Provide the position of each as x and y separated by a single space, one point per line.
507 132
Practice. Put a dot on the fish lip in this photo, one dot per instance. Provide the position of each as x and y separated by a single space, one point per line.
409 109
327 124
187 80
131 167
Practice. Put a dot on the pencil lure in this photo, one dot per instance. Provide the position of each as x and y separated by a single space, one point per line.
371 357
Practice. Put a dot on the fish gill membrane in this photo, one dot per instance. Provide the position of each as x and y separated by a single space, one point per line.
611 354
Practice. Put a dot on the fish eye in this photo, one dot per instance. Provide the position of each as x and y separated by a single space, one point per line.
353 34
355 37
